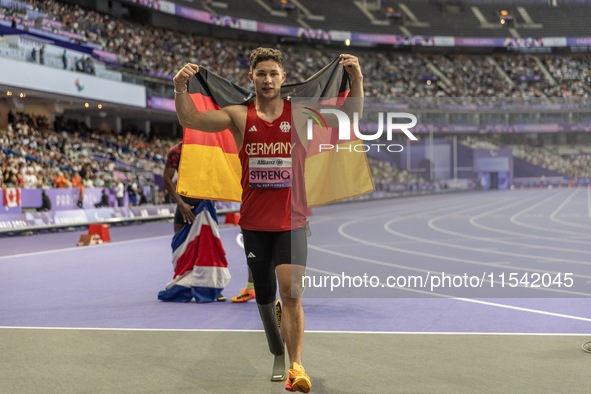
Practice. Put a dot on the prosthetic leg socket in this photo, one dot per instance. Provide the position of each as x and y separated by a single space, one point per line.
269 319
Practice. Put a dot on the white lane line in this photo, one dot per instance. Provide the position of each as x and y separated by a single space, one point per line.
553 214
525 309
529 310
445 333
485 250
502 264
589 201
93 247
222 330
497 264
518 214
417 212
322 220
520 244
523 212
450 245
129 329
401 205
474 223
440 257
489 239
550 261
431 293
409 268
421 270
120 243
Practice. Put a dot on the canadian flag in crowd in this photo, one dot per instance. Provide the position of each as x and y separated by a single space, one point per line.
12 197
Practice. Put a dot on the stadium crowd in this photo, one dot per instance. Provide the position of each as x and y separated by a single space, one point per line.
572 165
67 153
383 173
472 76
573 74
36 154
576 166
393 74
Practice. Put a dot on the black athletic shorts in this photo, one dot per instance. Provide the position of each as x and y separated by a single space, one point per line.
178 216
278 247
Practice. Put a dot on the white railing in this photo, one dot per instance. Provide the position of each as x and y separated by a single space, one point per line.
55 61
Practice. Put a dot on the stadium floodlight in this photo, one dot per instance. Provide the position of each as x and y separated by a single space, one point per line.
506 18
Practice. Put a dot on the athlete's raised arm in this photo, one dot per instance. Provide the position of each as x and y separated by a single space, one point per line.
353 67
353 103
207 121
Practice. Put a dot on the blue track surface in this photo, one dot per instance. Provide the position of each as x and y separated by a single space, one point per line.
115 285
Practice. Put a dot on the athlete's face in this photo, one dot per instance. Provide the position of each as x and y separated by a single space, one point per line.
267 78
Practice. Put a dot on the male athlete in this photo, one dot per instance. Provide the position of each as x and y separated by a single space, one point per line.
273 218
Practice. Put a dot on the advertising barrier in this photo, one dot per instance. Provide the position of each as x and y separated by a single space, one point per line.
32 220
66 199
161 103
397 189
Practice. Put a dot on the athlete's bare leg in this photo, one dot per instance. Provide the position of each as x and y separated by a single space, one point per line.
292 316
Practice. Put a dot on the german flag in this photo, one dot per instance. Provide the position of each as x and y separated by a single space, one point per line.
210 167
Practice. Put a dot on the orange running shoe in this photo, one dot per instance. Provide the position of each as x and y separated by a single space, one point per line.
297 380
244 296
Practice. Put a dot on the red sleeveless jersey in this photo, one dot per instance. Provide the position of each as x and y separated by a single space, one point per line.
273 188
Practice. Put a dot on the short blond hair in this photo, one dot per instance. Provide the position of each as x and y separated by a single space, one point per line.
262 54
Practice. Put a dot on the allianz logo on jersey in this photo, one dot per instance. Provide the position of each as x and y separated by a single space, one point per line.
277 162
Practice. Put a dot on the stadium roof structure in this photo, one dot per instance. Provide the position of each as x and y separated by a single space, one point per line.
443 23
457 18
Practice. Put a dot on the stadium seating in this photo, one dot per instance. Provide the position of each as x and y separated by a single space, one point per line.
145 49
35 155
142 48
572 165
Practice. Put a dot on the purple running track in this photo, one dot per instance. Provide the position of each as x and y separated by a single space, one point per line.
115 285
